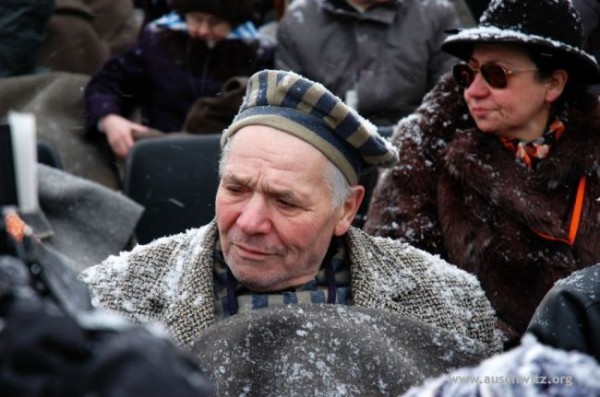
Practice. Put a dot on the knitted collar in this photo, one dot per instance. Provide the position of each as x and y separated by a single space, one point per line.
331 285
529 153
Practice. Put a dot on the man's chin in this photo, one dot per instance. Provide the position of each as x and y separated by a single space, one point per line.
251 277
256 284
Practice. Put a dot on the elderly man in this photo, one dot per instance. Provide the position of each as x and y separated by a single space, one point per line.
282 235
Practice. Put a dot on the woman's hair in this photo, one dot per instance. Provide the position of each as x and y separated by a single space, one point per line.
575 94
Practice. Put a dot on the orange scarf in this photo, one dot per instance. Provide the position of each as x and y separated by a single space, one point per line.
530 152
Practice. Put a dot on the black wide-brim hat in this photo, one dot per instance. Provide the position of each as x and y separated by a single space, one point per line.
551 26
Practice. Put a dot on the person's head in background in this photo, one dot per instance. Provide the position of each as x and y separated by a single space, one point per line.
524 66
212 20
289 179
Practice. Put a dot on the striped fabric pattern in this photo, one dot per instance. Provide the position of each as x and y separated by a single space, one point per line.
314 292
307 110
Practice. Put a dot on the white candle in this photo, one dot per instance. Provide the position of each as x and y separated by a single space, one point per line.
23 136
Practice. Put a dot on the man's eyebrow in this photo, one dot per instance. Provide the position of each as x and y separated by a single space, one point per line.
231 178
286 194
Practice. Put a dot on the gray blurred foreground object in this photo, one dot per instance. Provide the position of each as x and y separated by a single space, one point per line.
56 99
532 369
327 351
85 221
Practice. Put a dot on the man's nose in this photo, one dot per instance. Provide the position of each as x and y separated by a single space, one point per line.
255 218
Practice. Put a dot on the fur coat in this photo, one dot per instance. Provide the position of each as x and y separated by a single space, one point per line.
170 280
459 193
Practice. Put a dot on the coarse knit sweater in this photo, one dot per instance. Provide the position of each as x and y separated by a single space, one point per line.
170 280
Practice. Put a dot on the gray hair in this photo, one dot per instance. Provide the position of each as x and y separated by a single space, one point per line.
333 176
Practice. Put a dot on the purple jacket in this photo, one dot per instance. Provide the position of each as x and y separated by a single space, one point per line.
164 72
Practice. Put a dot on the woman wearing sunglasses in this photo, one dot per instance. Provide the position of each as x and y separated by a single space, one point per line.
500 165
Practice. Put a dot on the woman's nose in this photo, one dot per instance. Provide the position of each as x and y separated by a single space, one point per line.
478 87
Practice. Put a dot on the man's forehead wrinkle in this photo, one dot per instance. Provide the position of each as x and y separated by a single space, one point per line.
279 192
231 176
265 187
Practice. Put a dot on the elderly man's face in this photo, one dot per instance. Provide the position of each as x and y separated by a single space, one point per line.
274 209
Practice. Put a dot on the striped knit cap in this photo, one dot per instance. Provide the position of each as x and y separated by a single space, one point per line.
307 110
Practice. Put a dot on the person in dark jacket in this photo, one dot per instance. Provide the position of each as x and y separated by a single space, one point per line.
569 316
172 65
499 169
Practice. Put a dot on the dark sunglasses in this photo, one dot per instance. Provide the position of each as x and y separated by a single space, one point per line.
495 75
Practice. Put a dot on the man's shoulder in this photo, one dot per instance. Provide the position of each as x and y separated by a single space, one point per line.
396 276
161 253
399 256
187 243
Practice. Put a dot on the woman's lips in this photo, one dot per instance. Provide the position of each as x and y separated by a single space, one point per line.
480 111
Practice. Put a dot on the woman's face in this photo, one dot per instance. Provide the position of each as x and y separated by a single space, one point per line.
208 27
521 109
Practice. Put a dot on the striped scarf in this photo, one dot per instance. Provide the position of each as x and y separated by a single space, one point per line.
331 285
531 152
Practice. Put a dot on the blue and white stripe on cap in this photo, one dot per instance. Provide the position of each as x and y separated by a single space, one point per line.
307 110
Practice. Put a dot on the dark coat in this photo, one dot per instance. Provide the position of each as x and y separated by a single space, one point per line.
164 72
459 193
569 316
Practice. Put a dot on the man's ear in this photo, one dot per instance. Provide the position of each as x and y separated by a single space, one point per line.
349 209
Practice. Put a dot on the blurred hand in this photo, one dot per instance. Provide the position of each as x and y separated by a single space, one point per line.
119 133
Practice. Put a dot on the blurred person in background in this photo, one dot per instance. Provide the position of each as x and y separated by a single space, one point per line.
177 60
382 56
